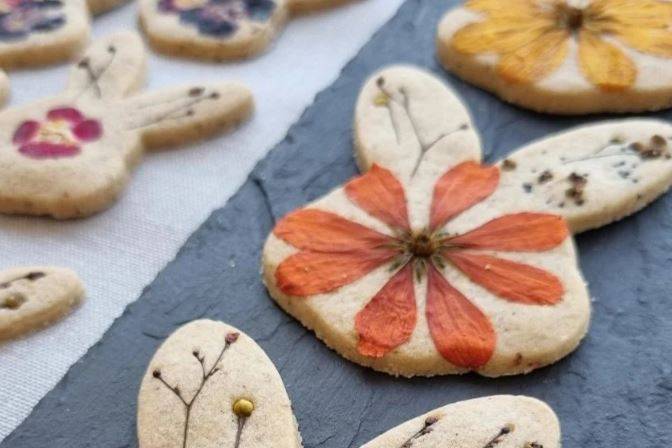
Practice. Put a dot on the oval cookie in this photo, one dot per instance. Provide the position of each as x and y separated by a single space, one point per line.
566 56
210 385
499 421
35 297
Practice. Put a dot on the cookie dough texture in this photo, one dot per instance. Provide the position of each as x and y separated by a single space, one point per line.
100 6
242 372
102 91
503 421
565 90
32 298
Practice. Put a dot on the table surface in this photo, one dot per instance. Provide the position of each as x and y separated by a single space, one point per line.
614 391
119 252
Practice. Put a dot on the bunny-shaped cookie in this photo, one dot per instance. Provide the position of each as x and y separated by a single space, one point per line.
564 56
210 386
70 156
432 263
219 29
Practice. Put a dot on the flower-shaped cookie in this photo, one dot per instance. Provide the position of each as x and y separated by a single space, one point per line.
218 29
71 155
564 56
210 385
432 263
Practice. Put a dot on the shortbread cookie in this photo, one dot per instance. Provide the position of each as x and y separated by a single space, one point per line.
308 6
101 6
564 56
35 297
218 29
39 32
432 263
71 155
502 421
4 87
211 386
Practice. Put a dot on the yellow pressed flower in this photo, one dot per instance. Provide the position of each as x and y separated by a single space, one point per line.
532 36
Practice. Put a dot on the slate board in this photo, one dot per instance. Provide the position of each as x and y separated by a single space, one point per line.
615 391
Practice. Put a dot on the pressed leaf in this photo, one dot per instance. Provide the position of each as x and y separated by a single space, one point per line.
604 64
535 60
508 279
320 231
381 195
498 35
461 332
525 232
461 188
308 273
388 320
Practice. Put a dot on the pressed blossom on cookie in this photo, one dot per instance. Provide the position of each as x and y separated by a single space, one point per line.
62 134
19 18
334 252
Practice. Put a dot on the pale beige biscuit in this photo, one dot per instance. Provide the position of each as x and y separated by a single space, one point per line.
35 297
501 421
430 263
216 30
33 34
4 87
210 385
564 57
71 155
100 6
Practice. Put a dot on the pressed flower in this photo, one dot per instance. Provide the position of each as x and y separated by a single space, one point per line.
532 37
334 252
63 133
18 18
218 18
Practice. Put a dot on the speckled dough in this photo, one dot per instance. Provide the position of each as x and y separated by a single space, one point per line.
204 370
71 155
411 124
565 90
502 421
239 28
35 297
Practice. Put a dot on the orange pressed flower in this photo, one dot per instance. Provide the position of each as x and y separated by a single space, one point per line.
532 36
334 252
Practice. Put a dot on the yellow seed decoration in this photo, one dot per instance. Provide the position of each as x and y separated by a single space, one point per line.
243 407
382 99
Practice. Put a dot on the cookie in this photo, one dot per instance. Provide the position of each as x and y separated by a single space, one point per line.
564 56
4 87
100 6
70 156
431 262
35 297
216 29
502 421
40 32
210 385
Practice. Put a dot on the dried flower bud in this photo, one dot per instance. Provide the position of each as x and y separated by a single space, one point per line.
232 337
243 407
156 373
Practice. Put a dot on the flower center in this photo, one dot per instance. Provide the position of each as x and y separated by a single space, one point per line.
57 131
423 245
570 17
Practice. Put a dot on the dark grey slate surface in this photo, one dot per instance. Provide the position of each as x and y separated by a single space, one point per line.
615 391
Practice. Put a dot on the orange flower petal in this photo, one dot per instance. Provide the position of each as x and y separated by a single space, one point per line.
381 195
524 232
461 332
498 35
461 188
524 8
537 59
321 231
388 320
604 64
308 273
610 15
509 280
657 42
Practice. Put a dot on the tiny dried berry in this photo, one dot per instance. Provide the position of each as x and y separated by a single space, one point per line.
243 407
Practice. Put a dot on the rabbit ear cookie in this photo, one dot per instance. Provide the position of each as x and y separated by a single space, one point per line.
499 421
210 385
434 269
566 56
71 155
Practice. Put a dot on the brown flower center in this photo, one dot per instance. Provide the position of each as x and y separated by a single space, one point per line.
570 17
423 245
